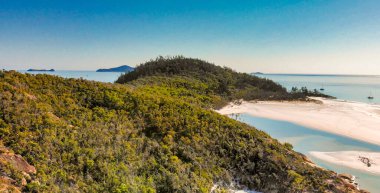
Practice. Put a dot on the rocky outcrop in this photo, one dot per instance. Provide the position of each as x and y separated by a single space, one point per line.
8 185
15 171
17 162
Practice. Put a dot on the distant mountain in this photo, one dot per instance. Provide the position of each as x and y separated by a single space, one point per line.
123 68
41 70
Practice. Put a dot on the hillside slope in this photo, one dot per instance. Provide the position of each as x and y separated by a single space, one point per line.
97 137
15 172
206 79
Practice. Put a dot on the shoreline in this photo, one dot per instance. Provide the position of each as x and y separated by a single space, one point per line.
368 162
355 120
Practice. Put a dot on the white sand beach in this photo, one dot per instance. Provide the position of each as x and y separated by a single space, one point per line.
364 161
356 120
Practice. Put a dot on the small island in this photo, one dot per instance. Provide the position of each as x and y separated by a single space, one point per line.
41 70
123 68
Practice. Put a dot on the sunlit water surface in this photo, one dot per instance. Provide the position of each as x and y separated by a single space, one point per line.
346 87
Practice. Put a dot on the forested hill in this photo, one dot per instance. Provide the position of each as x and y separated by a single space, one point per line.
86 136
208 79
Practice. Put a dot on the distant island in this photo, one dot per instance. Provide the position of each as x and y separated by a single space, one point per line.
123 68
41 70
257 73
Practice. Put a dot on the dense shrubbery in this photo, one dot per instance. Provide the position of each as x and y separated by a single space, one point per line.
182 88
223 83
303 91
96 137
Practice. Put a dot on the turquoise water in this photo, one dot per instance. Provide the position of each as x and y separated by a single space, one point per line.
305 140
346 87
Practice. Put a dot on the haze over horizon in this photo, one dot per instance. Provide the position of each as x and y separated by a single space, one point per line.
312 37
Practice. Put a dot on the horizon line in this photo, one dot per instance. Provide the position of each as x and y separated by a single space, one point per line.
251 73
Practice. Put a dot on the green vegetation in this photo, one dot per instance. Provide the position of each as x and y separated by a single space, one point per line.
207 83
303 91
154 134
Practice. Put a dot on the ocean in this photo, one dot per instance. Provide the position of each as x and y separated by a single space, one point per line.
345 87
303 139
88 75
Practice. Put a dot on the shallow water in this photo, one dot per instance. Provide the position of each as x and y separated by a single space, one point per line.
305 140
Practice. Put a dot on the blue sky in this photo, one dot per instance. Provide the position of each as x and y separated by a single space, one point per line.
339 37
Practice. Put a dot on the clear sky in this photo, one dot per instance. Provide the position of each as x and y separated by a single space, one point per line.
338 37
